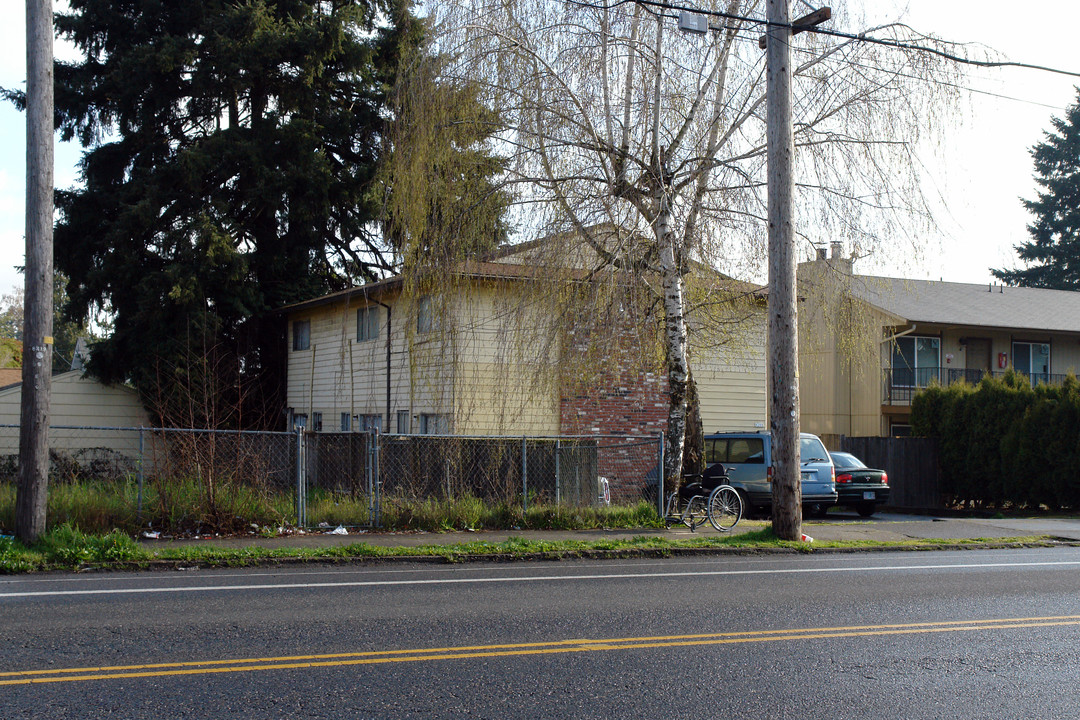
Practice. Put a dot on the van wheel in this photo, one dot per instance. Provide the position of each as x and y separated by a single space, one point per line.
747 508
817 510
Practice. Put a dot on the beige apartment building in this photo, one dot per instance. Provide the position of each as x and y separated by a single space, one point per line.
868 344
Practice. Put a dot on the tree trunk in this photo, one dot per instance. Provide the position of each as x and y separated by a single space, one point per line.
37 331
694 444
678 369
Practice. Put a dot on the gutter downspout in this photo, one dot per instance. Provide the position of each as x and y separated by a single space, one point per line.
389 327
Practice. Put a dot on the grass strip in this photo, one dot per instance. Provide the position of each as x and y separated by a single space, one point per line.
67 548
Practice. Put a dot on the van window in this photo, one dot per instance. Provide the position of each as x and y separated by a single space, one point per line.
747 450
810 448
715 451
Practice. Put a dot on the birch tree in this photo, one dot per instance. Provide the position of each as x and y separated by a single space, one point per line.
647 145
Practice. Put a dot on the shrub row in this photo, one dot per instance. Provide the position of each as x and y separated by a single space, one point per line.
1002 443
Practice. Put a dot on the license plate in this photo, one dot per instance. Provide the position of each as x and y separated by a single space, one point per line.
869 495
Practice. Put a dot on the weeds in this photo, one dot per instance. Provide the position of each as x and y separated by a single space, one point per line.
179 506
67 545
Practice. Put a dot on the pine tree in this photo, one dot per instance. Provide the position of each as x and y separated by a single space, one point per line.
232 151
1052 255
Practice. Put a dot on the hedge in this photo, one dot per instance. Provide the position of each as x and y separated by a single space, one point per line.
1002 443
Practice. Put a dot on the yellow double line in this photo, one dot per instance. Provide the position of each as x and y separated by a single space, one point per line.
292 662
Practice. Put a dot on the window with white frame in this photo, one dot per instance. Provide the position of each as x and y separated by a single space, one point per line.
403 422
915 360
1032 359
299 420
346 423
367 323
434 424
301 334
316 421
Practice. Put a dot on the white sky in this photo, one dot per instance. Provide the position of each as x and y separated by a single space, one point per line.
981 166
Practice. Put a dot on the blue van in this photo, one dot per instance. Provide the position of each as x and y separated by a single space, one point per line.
747 458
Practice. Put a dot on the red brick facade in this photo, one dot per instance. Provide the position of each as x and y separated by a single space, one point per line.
636 406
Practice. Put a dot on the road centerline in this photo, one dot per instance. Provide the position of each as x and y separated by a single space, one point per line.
588 645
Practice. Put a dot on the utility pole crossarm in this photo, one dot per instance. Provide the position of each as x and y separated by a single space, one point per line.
804 23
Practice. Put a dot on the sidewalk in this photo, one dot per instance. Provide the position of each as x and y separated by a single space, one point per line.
882 527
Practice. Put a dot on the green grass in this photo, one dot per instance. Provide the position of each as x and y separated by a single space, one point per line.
67 548
177 505
184 506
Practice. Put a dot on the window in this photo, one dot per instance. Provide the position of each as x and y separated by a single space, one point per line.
423 316
915 360
403 422
301 334
1032 359
811 449
746 450
432 424
316 421
715 451
367 323
370 422
345 422
299 420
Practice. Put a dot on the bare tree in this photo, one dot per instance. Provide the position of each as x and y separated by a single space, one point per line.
647 146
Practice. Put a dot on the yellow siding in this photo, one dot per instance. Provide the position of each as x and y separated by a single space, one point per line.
78 401
491 375
339 374
732 378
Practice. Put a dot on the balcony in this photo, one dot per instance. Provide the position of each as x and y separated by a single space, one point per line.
899 385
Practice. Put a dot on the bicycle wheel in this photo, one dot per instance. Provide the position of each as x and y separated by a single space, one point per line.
725 508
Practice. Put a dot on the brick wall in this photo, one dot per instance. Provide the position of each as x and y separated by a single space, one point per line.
619 405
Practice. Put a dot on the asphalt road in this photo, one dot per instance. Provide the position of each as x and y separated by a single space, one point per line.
971 634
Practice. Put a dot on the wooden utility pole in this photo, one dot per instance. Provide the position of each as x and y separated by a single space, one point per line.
38 278
783 313
783 302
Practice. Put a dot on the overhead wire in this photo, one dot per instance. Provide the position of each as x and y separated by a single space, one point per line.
742 33
858 37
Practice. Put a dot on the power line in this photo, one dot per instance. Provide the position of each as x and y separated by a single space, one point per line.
742 34
860 37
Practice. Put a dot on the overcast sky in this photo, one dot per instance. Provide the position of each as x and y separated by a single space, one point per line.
981 166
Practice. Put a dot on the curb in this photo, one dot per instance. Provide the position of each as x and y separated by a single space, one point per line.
550 556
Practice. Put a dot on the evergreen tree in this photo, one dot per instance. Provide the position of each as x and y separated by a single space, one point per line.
1053 253
232 151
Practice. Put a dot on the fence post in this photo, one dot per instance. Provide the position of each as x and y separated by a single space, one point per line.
524 476
558 486
301 489
138 510
373 459
660 477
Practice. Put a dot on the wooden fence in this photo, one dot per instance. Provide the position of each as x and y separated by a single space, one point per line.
911 463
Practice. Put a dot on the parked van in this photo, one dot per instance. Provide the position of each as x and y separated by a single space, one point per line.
747 457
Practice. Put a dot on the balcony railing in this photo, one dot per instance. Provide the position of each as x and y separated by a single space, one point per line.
899 385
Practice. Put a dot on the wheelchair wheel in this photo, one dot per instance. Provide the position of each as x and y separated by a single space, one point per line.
725 508
697 514
673 510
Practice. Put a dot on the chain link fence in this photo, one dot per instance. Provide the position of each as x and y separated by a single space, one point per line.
362 467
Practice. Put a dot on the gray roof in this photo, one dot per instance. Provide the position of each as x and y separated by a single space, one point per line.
951 303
